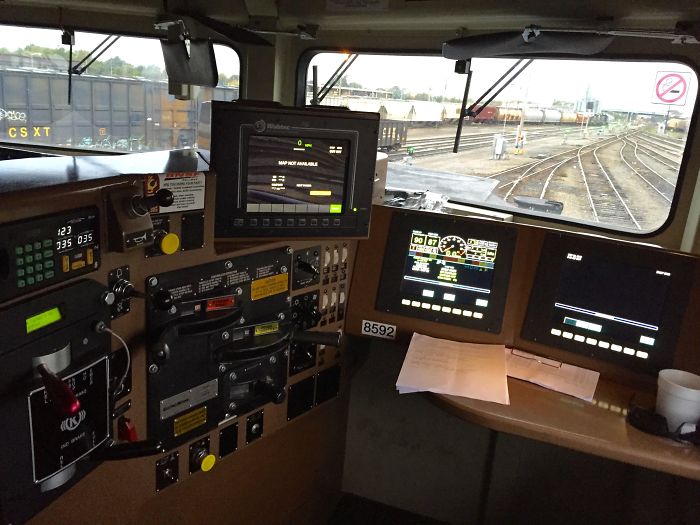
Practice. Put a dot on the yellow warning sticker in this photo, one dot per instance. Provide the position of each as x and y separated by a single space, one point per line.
189 421
268 286
269 328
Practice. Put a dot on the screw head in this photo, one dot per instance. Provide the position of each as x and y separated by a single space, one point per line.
233 376
232 406
173 309
222 369
283 269
225 336
228 265
153 369
239 291
153 281
289 249
273 359
281 316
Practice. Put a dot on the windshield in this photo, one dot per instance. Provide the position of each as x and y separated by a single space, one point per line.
591 141
120 102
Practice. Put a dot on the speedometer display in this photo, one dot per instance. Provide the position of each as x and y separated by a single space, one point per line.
452 246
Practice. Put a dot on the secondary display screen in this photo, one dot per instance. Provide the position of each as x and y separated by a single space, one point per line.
619 303
296 174
40 320
449 270
605 299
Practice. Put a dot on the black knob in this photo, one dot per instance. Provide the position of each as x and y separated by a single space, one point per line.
163 300
306 266
162 197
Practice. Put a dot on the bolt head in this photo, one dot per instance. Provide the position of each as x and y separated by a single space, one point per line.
228 265
153 281
222 368
273 359
225 336
153 369
233 376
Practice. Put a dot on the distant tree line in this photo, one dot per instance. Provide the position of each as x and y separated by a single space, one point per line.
114 66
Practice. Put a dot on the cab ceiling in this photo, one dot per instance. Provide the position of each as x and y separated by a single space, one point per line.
389 15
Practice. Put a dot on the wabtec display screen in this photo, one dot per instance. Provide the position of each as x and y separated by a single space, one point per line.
306 174
619 303
447 269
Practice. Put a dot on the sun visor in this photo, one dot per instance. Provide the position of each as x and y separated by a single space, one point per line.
196 67
529 42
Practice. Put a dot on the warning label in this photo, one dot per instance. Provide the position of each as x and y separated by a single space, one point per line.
190 421
188 189
269 286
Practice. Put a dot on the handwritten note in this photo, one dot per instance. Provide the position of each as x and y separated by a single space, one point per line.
448 367
568 379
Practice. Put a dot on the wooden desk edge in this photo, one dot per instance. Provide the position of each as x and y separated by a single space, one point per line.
649 451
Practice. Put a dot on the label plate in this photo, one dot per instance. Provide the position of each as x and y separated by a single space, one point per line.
375 329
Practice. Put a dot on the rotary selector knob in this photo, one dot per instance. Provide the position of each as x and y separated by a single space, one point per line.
163 300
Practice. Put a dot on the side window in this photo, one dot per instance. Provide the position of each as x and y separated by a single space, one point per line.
588 141
120 103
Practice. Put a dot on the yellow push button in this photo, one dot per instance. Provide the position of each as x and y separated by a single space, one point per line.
208 462
168 243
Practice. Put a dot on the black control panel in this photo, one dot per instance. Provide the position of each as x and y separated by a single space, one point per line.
56 403
219 342
41 252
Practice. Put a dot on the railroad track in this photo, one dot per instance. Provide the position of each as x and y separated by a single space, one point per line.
439 145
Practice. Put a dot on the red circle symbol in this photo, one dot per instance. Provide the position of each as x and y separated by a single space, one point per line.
671 88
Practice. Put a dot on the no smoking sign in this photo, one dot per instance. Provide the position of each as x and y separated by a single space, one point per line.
671 88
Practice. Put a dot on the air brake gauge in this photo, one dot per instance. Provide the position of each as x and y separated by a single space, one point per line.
452 246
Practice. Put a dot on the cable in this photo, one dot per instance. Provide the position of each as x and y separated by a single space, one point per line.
101 327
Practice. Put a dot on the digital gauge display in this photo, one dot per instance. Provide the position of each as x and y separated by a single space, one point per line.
444 271
447 269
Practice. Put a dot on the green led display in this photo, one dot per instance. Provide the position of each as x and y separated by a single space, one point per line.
43 319
336 208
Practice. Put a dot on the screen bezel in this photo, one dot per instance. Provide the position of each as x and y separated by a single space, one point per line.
402 225
247 130
538 319
232 221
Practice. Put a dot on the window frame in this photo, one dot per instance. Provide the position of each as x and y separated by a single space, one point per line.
308 54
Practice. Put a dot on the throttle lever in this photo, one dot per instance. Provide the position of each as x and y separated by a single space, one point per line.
135 449
318 338
63 397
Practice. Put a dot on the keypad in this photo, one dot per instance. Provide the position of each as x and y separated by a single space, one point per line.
34 262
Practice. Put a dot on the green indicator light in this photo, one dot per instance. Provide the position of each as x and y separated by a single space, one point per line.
43 319
354 209
336 208
300 142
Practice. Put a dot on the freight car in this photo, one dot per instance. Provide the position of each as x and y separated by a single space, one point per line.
500 114
127 114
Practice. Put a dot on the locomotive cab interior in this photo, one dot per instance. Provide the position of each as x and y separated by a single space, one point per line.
223 226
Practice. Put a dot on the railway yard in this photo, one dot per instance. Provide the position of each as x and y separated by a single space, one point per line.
625 177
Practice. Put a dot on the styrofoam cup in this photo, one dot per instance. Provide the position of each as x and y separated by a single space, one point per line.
678 397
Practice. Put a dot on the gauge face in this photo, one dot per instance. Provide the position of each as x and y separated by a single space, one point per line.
452 246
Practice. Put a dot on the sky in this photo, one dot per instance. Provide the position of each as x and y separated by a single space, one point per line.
624 86
136 51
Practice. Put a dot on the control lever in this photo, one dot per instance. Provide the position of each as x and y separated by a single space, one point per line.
62 396
307 267
318 338
140 204
135 449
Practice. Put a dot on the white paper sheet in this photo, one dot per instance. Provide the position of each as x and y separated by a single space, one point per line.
568 379
461 369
